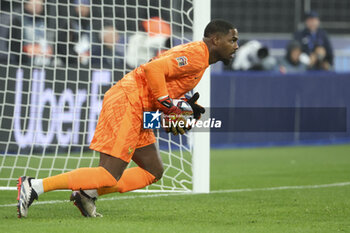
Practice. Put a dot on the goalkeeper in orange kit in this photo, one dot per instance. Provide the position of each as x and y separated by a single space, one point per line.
119 136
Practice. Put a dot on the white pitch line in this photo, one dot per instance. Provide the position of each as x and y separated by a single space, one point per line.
283 188
189 193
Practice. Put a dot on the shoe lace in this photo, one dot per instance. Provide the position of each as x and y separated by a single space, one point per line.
33 194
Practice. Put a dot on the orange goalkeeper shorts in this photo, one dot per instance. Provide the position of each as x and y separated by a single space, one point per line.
119 129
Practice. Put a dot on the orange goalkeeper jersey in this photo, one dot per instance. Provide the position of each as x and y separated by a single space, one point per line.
174 73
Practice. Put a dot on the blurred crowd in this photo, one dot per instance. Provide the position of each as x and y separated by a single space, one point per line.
72 41
309 49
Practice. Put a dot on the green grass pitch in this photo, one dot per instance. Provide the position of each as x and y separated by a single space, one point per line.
263 190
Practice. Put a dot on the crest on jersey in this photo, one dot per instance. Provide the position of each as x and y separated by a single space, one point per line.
181 61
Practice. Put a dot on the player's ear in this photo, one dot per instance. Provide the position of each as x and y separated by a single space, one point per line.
216 39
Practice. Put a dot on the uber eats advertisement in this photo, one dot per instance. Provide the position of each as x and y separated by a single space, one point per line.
46 107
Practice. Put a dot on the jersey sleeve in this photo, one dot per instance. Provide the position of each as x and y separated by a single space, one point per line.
155 72
174 65
187 63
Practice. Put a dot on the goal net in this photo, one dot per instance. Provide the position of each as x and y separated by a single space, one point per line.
57 59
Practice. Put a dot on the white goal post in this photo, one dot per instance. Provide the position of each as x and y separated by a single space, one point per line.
201 145
55 68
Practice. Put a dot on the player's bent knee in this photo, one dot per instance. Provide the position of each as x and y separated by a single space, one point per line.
159 174
154 175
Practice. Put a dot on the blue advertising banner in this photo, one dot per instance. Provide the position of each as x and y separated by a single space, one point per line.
264 90
45 108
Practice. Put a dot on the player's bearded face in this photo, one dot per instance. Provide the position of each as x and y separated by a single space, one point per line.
228 46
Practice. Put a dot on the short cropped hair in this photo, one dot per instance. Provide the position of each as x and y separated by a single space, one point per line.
217 26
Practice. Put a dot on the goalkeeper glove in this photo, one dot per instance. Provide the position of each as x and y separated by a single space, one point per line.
168 106
173 114
196 108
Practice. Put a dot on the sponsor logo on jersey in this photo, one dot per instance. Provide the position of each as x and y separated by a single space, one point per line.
181 61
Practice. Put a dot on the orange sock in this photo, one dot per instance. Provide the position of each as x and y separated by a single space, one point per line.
81 178
132 178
